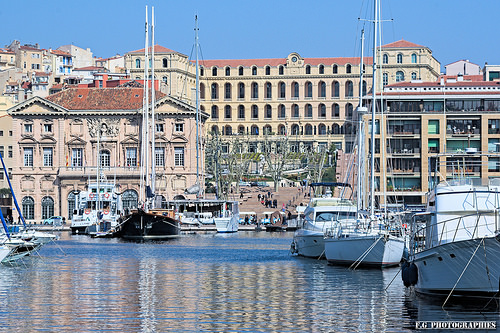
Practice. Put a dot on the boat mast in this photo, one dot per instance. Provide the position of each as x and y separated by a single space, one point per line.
374 84
145 123
197 109
360 112
153 126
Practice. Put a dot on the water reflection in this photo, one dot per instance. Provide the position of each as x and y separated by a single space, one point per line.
201 283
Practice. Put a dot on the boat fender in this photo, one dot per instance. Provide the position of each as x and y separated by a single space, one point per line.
413 274
293 247
405 274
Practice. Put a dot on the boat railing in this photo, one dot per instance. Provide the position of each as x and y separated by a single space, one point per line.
426 235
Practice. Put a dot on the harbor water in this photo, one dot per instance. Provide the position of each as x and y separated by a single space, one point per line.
242 282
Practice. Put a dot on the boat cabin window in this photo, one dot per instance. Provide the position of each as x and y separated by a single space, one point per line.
334 216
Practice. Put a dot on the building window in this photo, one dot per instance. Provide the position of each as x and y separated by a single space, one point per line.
131 156
47 128
399 58
47 207
215 112
241 90
308 130
413 58
228 71
348 69
227 112
413 76
348 111
10 152
321 69
281 70
254 130
48 157
308 89
104 158
335 69
1 133
164 79
282 89
322 89
385 58
255 112
335 89
71 204
268 70
241 112
202 71
137 63
240 71
28 128
227 91
10 133
268 113
228 130
215 91
28 208
255 90
335 110
215 130
241 130
269 90
385 79
159 156
281 111
295 90
214 71
28 157
254 70
308 69
202 91
165 62
179 127
130 199
77 157
308 111
400 76
349 91
159 127
178 156
322 111
295 111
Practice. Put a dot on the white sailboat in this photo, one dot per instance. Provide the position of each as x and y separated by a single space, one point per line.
368 240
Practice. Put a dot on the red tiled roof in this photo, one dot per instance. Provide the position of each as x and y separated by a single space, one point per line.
57 86
61 53
42 74
28 48
446 84
281 61
158 49
100 98
401 44
7 51
468 78
89 68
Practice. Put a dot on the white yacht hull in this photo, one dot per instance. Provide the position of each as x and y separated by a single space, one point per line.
440 268
226 224
367 249
309 243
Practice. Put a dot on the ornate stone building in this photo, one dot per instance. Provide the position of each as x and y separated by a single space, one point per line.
57 149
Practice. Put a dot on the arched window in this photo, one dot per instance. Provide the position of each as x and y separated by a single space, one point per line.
47 207
321 129
28 207
268 130
308 69
335 89
164 79
255 90
228 112
308 89
348 69
227 91
241 90
281 70
228 130
295 111
215 112
308 130
269 90
282 89
268 112
241 112
335 110
214 71
336 129
413 76
281 111
104 159
202 91
385 58
322 111
413 58
254 130
349 89
295 90
215 91
399 58
71 204
240 70
202 71
137 63
308 111
164 62
268 70
130 200
281 130
215 130
295 129
254 70
363 91
228 71
385 79
255 112
335 69
241 130
400 76
321 69
322 89
348 111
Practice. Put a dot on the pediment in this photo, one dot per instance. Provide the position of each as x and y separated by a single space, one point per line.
76 141
179 139
48 139
161 139
130 140
36 106
26 140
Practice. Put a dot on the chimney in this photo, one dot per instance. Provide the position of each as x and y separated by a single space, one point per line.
442 81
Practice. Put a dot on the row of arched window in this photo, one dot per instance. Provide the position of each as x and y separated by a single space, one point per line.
254 70
295 129
164 63
28 207
399 58
281 112
281 90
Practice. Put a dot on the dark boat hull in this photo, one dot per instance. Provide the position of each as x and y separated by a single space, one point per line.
141 225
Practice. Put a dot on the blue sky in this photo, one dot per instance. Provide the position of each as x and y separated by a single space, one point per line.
452 29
